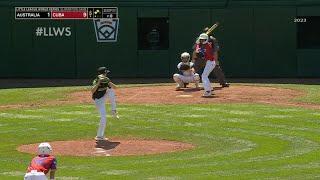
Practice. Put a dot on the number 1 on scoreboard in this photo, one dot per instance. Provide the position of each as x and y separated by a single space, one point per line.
90 12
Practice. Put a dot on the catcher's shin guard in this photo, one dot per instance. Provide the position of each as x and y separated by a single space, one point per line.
197 84
178 80
197 80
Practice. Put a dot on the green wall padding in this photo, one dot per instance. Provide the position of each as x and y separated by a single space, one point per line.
153 13
257 3
236 53
275 42
308 63
185 26
43 57
153 63
257 39
120 57
5 36
308 11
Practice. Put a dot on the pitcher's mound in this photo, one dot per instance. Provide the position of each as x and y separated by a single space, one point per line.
111 147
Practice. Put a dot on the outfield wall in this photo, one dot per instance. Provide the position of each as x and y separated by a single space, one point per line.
258 39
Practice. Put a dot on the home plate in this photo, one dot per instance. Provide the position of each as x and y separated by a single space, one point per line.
99 150
184 95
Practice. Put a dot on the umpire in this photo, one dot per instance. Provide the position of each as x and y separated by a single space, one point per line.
199 65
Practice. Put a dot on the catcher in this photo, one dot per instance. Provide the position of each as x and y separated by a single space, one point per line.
186 73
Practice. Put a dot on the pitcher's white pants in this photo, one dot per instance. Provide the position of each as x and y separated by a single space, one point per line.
101 106
34 175
206 72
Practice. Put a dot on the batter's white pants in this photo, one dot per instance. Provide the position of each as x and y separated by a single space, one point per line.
181 79
34 175
101 106
205 75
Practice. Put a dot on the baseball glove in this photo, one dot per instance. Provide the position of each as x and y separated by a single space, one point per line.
184 67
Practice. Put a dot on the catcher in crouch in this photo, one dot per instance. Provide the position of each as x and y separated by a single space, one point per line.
186 72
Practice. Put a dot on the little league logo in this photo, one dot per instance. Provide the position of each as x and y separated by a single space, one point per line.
106 29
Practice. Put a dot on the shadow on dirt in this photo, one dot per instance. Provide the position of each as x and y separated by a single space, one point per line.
107 145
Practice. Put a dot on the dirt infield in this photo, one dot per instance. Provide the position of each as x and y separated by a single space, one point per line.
113 147
233 94
168 95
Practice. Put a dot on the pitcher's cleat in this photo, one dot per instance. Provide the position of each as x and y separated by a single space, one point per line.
98 138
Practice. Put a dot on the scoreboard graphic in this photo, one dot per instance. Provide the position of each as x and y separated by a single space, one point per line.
105 20
65 12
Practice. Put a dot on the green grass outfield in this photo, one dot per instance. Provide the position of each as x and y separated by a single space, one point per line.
233 141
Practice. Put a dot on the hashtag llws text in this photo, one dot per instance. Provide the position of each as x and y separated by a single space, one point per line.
53 31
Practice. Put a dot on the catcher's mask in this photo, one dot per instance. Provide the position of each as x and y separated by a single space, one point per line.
185 57
102 70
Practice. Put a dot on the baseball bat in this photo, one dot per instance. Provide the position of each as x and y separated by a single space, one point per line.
213 27
209 31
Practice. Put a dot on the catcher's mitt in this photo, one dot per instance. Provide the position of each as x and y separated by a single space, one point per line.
184 67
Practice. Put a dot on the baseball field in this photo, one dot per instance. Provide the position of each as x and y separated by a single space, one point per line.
247 131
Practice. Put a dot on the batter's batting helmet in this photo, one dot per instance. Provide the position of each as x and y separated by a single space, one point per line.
44 148
204 36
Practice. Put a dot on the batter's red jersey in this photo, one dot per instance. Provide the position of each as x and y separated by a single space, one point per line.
43 163
207 49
